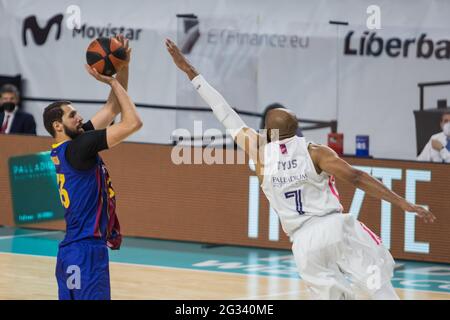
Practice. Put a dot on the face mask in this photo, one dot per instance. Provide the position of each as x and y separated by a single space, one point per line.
446 129
8 106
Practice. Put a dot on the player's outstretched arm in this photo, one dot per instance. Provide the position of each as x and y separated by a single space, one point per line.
325 159
104 117
244 136
130 121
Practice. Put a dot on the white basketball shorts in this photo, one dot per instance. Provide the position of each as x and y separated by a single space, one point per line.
335 250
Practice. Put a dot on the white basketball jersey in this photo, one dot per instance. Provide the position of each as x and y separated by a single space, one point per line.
293 187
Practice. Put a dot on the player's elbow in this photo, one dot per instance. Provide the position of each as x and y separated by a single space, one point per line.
137 124
133 124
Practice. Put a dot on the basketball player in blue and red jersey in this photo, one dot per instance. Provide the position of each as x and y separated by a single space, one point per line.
82 267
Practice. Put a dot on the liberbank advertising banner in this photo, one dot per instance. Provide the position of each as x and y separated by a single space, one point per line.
366 79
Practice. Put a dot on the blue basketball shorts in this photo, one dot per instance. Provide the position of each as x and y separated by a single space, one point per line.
82 271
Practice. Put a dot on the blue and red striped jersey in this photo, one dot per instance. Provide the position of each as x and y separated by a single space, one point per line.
88 199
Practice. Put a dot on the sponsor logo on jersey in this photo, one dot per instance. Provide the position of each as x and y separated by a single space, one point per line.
279 182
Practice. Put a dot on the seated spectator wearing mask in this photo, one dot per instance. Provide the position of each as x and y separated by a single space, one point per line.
12 120
438 148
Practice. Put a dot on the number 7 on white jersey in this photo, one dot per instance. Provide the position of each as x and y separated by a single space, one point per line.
297 194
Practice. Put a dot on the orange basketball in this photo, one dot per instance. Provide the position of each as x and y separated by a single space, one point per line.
106 55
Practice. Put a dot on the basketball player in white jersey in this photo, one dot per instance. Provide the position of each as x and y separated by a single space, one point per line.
297 178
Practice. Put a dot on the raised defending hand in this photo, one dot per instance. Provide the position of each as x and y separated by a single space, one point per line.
100 77
421 212
180 60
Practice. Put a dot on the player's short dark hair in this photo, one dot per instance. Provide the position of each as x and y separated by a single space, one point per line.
10 88
53 112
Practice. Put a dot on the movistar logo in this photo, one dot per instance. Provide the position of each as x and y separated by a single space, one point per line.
39 34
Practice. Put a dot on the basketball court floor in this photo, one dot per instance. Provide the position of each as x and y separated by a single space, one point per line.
160 269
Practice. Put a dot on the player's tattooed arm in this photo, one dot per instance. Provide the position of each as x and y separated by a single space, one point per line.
325 159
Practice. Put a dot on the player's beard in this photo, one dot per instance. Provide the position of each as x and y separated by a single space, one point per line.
72 134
